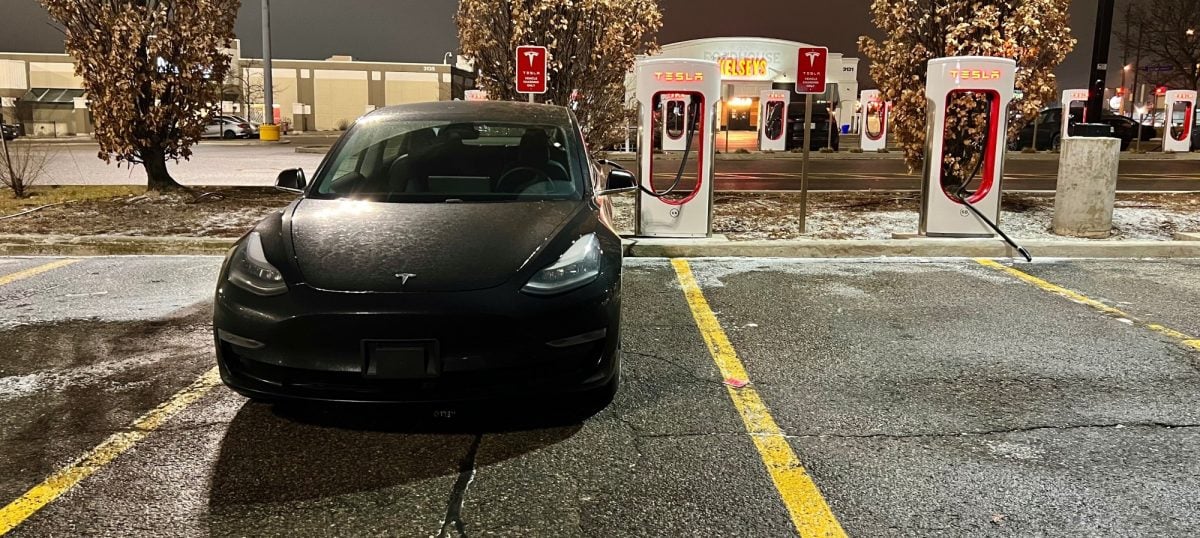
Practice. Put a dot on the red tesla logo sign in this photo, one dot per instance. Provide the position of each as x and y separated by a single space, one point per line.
531 69
810 69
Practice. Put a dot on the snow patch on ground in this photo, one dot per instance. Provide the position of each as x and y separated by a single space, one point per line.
879 215
14 387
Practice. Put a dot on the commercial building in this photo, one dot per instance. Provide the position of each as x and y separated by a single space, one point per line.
750 65
43 94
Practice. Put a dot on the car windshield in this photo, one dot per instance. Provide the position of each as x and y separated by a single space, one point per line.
401 160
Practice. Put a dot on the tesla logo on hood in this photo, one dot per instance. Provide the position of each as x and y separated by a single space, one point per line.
404 277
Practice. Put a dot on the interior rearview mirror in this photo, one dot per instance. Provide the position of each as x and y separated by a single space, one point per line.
290 180
619 180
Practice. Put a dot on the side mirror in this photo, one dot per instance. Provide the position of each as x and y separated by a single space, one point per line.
619 180
290 180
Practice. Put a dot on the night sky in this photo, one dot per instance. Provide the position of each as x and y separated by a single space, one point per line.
423 30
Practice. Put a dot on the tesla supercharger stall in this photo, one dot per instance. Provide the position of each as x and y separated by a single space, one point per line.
874 121
1179 120
966 203
1069 98
676 113
772 120
684 207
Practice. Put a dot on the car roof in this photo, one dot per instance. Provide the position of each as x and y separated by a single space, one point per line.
468 111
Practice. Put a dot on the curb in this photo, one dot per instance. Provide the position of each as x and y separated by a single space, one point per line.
907 248
843 156
111 245
895 155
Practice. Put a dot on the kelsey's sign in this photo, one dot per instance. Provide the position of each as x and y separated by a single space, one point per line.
744 67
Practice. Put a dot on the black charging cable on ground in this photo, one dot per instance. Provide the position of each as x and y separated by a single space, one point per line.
961 193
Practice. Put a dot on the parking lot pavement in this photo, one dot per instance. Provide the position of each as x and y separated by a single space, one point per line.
942 397
209 164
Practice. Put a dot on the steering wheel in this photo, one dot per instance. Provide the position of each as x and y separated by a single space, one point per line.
539 175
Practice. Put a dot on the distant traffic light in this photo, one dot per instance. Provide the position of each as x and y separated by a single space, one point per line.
1160 90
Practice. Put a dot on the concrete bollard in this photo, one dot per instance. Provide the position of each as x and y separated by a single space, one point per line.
1087 186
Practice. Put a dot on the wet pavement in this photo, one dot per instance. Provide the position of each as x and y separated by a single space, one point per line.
935 397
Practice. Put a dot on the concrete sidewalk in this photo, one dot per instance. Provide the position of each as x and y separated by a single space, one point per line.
1186 246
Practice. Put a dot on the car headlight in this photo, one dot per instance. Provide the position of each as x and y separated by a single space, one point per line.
578 266
250 270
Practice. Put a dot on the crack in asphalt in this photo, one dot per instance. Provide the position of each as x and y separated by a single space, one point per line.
677 366
452 525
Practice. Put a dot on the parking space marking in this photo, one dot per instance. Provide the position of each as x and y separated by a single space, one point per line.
810 513
1183 338
68 477
34 271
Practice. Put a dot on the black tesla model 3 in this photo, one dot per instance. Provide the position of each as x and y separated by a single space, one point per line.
446 251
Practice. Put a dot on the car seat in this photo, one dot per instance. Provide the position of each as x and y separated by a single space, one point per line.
533 165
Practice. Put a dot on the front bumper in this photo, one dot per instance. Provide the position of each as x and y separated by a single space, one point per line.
310 344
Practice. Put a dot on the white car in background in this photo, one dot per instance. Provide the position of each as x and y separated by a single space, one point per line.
241 120
228 128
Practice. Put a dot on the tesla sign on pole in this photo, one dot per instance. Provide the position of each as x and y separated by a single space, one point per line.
531 70
810 70
810 79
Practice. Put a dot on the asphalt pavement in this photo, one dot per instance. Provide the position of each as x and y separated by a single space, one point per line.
253 164
936 397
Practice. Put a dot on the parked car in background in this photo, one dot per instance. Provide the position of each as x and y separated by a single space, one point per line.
9 131
1049 129
820 125
240 120
1196 129
225 127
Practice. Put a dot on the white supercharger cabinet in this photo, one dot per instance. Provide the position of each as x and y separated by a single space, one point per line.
772 119
1180 119
942 213
1069 98
675 116
874 120
688 211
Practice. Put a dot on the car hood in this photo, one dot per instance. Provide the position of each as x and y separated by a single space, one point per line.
358 246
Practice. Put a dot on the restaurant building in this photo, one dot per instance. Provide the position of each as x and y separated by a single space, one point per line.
750 65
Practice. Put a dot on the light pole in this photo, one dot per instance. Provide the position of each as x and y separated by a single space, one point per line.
268 94
1124 91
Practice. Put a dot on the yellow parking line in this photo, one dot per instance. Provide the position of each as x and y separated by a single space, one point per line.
809 511
68 477
1183 338
33 271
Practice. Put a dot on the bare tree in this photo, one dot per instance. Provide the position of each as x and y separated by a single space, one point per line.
21 166
152 70
592 45
1166 35
251 87
1034 33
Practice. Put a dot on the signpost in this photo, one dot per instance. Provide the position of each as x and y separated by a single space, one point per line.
810 79
531 70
